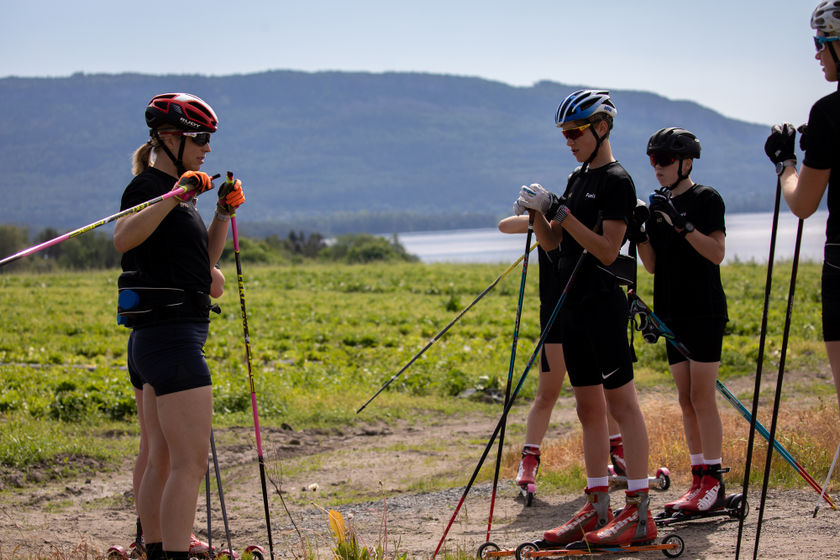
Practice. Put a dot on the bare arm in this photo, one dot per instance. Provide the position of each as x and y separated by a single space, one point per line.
132 230
711 247
648 256
549 235
216 236
803 191
603 246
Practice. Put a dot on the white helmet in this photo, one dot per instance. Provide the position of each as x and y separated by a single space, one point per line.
826 18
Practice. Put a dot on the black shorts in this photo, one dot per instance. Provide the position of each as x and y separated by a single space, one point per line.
169 357
831 293
703 338
595 341
555 334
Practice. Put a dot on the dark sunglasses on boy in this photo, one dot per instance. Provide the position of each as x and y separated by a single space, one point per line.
575 133
662 160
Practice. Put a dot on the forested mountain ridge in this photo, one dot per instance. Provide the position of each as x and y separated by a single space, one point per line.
338 151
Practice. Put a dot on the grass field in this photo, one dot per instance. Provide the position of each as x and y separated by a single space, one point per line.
325 337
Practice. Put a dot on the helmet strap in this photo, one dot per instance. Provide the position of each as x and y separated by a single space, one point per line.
179 165
598 141
830 46
680 176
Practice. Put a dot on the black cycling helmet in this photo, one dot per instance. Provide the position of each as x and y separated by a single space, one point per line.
675 141
182 110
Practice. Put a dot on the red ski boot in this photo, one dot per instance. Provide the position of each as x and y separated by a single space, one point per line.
711 493
696 476
634 525
617 456
528 466
594 514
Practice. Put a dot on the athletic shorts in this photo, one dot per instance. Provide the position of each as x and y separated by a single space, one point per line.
595 341
136 382
702 338
169 357
554 334
831 293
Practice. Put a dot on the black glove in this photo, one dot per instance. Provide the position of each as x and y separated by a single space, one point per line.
636 224
662 206
779 146
803 134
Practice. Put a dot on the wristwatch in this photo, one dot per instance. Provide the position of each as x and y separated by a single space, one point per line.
782 164
689 227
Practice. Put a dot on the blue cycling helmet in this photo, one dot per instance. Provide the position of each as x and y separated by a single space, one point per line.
584 104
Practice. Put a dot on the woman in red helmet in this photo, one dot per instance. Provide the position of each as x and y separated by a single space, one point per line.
683 246
168 254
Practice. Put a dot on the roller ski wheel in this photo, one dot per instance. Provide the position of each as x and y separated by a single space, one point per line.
731 509
660 482
671 546
527 492
490 549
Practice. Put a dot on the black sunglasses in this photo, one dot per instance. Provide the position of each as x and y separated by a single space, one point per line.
662 160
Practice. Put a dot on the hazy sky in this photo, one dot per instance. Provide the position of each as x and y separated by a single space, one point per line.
748 59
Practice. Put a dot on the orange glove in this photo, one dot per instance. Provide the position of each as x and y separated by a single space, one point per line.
196 182
231 195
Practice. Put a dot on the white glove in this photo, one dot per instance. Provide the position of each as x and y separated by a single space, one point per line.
534 197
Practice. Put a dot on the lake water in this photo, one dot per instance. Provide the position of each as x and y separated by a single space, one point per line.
747 239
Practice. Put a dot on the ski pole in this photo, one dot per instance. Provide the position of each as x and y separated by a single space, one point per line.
84 229
831 470
510 402
221 495
636 303
759 363
510 368
446 328
247 337
780 449
779 380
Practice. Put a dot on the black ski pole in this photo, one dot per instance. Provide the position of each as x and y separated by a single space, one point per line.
209 516
510 368
759 363
512 399
221 494
779 380
444 329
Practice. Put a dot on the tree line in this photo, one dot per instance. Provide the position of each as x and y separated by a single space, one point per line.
95 250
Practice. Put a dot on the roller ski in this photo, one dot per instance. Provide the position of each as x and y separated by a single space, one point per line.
526 477
632 530
660 482
706 498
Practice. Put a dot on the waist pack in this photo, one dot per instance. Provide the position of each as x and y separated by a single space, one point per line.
140 304
623 269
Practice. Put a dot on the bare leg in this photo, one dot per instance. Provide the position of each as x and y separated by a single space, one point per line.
682 377
704 403
157 469
548 389
833 350
185 419
624 406
592 412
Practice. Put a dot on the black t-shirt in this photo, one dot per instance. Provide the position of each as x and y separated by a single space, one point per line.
175 254
605 193
823 152
687 285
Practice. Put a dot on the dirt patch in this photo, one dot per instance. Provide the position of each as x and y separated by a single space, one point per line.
351 471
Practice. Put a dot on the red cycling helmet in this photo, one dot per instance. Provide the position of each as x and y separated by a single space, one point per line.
183 110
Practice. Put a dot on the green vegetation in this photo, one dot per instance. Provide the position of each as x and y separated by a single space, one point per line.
324 338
